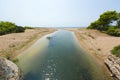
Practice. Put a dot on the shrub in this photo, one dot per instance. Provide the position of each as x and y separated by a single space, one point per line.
15 60
9 27
116 51
19 29
113 31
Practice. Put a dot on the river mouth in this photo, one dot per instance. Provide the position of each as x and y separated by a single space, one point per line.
59 57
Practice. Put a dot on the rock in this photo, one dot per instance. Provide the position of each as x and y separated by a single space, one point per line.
113 64
9 70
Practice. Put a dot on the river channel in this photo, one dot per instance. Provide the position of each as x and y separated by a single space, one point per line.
58 56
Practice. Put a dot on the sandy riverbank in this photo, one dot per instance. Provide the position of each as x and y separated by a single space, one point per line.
13 44
97 43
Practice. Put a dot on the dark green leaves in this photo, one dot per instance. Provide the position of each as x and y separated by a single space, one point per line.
9 27
104 21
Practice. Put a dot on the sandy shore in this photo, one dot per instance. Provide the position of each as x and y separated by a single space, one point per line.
13 44
95 42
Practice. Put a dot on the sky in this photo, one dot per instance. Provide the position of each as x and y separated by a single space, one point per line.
55 13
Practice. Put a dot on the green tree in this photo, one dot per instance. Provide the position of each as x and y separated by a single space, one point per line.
93 25
107 18
118 21
103 23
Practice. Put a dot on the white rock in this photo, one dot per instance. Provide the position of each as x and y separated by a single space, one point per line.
9 70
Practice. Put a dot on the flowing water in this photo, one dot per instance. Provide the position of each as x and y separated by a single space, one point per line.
59 57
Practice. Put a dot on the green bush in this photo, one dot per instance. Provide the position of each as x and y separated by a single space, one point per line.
19 29
113 32
9 27
116 51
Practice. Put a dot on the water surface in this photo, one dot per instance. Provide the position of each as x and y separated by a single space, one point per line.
59 58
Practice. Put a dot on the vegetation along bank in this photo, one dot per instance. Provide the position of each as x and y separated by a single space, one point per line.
109 23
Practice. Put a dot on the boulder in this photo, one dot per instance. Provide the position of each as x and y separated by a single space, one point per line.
113 64
9 70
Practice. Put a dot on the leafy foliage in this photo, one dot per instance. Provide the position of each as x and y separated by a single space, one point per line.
116 51
9 27
19 29
94 25
105 22
113 32
118 21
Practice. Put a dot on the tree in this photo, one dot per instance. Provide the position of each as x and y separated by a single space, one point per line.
95 25
118 21
107 18
103 23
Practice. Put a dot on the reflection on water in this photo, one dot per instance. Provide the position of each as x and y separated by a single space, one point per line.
61 59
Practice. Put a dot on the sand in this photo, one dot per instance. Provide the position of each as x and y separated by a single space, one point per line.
95 42
13 44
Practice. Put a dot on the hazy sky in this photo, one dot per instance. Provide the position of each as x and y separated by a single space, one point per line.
55 13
